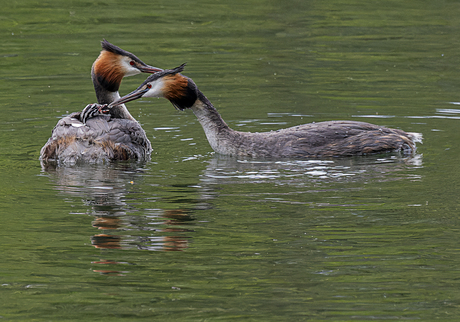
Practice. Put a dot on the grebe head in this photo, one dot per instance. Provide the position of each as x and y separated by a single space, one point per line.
181 91
115 63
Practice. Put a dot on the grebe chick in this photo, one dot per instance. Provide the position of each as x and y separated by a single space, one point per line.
88 137
323 139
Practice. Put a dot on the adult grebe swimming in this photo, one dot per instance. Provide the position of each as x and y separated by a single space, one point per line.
324 139
88 137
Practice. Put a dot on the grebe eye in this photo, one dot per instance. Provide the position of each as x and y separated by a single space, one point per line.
149 86
132 63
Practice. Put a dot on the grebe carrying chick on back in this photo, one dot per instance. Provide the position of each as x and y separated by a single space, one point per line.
88 136
323 139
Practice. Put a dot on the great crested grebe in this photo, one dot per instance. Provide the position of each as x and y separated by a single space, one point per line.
88 136
323 139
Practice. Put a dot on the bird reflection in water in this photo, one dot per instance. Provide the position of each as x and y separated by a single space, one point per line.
228 170
109 191
169 218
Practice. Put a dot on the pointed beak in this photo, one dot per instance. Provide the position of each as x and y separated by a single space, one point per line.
149 69
138 93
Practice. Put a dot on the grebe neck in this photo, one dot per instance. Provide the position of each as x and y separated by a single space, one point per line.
106 93
219 134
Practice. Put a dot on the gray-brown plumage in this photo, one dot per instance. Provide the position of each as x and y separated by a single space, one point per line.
102 138
324 139
88 137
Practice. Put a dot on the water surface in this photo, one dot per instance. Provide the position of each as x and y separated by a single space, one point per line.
191 235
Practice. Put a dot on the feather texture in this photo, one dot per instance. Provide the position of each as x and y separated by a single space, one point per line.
100 139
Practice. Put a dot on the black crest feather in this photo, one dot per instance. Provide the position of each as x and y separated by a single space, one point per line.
117 50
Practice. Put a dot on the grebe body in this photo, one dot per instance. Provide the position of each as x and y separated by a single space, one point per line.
323 139
90 137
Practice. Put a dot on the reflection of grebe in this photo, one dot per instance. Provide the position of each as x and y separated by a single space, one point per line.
82 137
324 139
224 170
176 217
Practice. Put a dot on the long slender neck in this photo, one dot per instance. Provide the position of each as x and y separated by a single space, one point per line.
220 136
106 93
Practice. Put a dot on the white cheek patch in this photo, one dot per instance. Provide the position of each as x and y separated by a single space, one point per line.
129 70
156 90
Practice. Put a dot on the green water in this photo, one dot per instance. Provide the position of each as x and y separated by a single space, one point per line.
192 236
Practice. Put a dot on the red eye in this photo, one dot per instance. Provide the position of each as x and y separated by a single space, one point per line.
149 86
132 63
